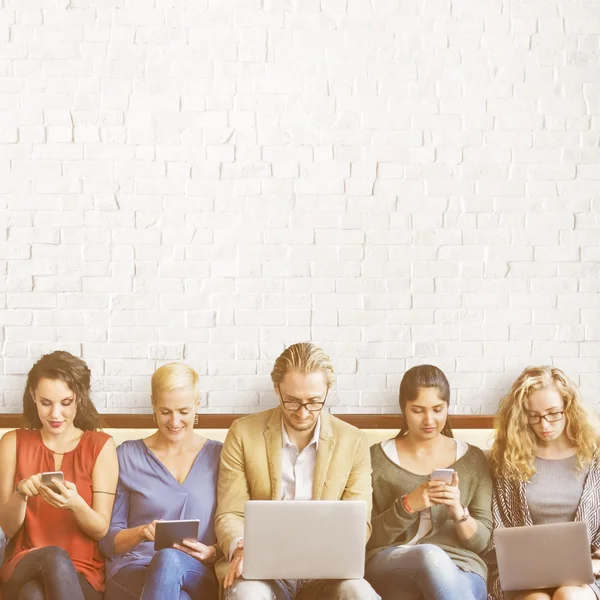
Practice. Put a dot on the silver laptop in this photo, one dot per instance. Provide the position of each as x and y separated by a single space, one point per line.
304 539
543 556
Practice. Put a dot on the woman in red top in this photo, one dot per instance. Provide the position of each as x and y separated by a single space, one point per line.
53 553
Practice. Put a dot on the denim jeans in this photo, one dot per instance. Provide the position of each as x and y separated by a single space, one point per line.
171 575
301 589
421 572
48 574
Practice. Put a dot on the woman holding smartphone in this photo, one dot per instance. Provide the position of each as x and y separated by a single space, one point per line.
546 467
172 476
428 534
55 523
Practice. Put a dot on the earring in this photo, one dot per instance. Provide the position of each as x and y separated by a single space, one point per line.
196 419
154 417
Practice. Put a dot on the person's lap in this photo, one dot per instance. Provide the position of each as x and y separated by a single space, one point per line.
195 579
127 583
411 572
27 579
89 593
301 589
571 592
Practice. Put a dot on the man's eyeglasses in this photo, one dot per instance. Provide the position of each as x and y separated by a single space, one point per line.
550 417
294 405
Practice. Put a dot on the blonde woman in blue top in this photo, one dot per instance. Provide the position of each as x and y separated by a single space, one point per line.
170 475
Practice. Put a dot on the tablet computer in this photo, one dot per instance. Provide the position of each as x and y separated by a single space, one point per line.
168 533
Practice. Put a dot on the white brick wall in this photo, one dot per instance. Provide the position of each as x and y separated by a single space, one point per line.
209 180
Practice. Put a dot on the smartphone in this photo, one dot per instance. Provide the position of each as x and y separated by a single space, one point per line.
168 533
444 475
49 475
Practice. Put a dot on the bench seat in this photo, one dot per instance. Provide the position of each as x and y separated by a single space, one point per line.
483 438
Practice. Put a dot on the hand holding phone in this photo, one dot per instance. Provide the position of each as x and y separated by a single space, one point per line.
59 493
30 487
447 494
47 478
444 475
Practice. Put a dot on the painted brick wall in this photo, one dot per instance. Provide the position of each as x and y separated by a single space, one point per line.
209 180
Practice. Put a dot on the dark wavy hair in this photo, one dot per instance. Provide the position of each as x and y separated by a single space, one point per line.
423 376
76 374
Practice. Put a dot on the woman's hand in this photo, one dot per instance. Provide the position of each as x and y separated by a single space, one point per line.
235 566
198 550
148 531
68 497
31 486
449 495
421 498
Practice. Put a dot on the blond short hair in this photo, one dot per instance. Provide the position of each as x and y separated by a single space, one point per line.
303 357
175 376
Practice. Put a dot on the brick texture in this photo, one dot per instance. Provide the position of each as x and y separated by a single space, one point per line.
210 180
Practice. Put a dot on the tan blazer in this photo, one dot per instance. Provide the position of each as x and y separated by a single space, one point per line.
251 468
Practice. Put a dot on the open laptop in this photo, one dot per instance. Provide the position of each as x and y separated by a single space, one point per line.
543 556
304 539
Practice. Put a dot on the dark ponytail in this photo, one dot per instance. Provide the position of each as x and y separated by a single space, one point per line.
423 376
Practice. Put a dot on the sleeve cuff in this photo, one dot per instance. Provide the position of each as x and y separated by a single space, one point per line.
233 546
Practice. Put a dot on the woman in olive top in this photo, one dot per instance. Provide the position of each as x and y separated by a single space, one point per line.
427 535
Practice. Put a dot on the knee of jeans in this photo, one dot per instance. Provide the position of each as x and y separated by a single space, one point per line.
250 590
167 558
432 559
355 589
56 560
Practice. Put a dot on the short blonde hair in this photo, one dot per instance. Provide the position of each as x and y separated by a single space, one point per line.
513 453
175 376
303 358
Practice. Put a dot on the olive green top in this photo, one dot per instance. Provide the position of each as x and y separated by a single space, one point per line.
394 526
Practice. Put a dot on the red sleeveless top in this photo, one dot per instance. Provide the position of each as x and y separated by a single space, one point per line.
46 525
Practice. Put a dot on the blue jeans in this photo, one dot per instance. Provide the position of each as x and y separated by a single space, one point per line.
171 575
421 572
301 589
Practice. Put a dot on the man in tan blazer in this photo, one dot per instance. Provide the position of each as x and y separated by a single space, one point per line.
293 452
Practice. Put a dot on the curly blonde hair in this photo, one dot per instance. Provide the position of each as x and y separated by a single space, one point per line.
513 453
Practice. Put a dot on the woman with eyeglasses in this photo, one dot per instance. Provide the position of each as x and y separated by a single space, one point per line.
546 467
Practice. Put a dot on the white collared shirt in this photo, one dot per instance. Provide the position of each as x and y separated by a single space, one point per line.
297 470
298 467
